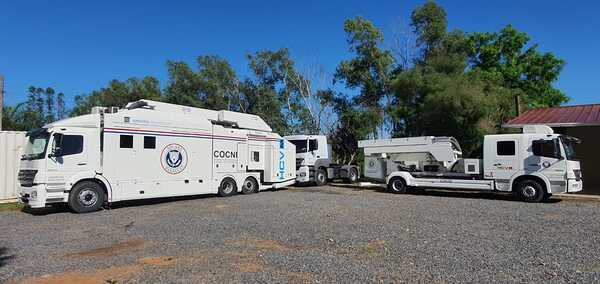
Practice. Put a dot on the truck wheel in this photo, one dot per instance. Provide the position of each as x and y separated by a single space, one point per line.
397 185
250 186
531 191
86 196
227 187
321 177
352 175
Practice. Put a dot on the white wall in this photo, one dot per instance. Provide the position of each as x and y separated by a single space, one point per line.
11 144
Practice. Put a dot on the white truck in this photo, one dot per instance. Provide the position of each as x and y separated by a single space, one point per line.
149 150
533 165
314 161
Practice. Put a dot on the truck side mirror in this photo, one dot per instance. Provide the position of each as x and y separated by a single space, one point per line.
56 145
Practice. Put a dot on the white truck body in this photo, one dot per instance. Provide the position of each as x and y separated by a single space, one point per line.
510 162
418 153
314 161
152 149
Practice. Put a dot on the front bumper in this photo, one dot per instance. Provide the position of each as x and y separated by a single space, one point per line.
574 185
32 196
303 174
38 196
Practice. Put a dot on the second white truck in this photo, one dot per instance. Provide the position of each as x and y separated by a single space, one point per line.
534 165
314 161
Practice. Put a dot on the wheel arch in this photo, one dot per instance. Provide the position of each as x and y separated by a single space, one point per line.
540 179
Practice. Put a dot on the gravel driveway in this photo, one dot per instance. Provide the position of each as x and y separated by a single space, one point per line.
308 235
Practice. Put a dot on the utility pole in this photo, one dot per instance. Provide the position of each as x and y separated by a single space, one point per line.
1 98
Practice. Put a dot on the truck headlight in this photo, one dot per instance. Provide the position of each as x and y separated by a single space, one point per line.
302 174
33 194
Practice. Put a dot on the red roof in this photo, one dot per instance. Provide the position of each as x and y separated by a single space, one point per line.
564 116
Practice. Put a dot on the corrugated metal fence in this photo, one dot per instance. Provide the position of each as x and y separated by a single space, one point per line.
11 146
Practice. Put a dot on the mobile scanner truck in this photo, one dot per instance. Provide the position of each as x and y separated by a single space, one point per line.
534 165
314 161
151 149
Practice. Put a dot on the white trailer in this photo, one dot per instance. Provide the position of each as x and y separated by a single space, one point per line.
534 165
314 163
150 150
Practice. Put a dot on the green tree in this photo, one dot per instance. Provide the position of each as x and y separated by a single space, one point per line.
118 93
504 58
430 24
213 86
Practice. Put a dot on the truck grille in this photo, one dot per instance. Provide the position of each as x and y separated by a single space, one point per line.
577 174
26 177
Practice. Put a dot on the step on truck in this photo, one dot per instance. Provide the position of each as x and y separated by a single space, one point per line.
314 163
149 150
533 165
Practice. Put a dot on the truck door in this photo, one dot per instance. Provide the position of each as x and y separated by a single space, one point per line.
71 158
501 161
545 158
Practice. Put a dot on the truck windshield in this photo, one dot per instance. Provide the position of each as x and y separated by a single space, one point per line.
36 144
301 145
568 143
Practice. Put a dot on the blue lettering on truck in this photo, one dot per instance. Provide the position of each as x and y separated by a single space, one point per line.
281 159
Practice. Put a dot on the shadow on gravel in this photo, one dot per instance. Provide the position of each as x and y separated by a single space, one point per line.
64 208
448 193
4 256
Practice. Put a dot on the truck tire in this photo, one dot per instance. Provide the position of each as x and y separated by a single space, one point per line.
86 196
250 186
320 177
531 191
352 175
397 185
227 187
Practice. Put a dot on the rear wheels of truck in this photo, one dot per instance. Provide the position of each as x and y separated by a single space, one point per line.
86 196
227 187
250 186
531 191
321 177
397 185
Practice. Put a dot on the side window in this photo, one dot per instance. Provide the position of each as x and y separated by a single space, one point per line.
313 145
72 144
255 156
545 148
505 148
149 142
126 141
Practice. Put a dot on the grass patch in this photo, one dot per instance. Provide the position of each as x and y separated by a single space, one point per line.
15 206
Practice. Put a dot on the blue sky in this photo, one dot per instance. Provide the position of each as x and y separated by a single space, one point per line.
78 46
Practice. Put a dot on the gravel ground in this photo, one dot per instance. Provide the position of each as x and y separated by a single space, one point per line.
308 235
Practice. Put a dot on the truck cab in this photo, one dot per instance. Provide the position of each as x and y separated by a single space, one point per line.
314 161
538 154
58 156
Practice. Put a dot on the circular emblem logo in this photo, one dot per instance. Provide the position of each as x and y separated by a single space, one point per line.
546 164
173 159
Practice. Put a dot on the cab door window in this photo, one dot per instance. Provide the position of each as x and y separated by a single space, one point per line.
71 145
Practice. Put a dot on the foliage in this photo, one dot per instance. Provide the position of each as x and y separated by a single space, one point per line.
118 93
504 57
40 108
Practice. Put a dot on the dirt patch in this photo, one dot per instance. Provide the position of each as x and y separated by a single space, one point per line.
260 245
220 206
107 275
157 260
115 249
301 277
373 247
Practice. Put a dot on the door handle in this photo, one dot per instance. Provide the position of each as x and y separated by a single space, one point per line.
498 164
82 164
